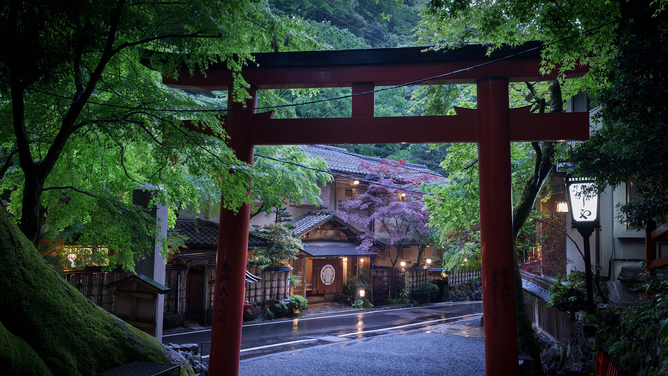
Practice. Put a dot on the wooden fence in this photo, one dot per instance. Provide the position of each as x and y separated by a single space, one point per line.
175 279
91 283
416 278
462 276
550 320
556 324
275 285
413 278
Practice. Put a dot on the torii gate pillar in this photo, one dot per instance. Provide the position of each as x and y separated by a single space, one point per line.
496 227
230 283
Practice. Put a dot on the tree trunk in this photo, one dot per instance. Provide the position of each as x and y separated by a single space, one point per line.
31 208
544 164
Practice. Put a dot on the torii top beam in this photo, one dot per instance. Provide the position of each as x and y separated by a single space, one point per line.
363 70
383 67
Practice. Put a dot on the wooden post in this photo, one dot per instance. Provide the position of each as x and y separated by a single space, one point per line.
496 228
232 252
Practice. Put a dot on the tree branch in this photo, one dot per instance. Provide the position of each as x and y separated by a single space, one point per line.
72 188
471 164
125 169
198 34
9 163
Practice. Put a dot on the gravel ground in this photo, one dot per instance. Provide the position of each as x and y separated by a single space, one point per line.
439 350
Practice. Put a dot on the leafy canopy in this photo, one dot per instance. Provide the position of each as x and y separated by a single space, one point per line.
88 121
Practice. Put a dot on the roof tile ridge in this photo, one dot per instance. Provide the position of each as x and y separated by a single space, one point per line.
207 221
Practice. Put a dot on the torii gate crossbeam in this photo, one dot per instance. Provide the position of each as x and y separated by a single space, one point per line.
493 126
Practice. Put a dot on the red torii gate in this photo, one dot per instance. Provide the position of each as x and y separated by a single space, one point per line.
493 126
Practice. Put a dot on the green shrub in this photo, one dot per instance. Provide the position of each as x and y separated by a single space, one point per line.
348 294
298 302
294 281
268 314
358 303
401 301
367 304
571 293
279 309
425 293
248 315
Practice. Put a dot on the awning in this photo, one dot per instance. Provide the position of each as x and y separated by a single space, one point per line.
250 279
335 249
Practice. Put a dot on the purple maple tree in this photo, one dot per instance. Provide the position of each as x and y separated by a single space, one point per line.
393 204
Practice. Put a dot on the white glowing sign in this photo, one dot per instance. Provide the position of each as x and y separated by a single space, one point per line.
584 206
327 274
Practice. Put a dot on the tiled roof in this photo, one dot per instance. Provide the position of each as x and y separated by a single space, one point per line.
312 220
342 161
334 249
203 233
160 288
536 290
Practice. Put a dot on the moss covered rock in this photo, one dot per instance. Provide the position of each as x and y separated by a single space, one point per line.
48 327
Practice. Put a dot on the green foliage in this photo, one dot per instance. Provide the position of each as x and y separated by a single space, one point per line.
379 23
635 336
284 248
90 121
298 302
268 314
664 330
629 144
403 301
280 309
294 281
277 182
569 291
362 303
448 23
248 315
349 292
425 294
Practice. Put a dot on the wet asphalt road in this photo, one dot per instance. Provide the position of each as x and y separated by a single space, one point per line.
452 349
277 336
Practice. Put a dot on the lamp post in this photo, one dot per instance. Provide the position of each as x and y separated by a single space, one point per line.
584 218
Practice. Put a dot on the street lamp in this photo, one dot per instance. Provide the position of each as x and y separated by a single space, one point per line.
71 257
584 218
562 207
